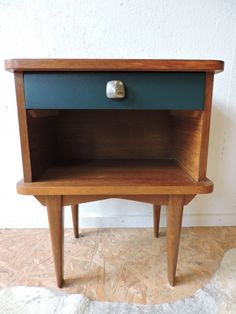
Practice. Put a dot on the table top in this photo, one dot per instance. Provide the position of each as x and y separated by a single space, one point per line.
163 65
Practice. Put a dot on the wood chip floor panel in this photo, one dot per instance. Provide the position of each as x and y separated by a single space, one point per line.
125 265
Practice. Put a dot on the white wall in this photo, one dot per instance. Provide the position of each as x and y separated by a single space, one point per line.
122 29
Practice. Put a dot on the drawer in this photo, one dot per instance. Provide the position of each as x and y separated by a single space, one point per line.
87 90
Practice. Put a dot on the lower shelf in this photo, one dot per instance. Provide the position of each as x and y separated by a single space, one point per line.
116 177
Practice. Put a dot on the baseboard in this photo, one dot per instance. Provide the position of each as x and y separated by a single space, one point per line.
124 221
189 220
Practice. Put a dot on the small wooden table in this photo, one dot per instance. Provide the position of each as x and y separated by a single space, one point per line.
148 144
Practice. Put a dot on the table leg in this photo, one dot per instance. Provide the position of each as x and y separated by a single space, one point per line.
75 219
156 219
174 222
56 225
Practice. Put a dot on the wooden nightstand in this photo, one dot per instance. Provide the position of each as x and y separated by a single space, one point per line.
148 144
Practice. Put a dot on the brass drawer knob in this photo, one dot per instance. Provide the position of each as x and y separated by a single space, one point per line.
115 89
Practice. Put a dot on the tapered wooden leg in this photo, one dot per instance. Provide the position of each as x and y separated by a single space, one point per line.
174 222
56 225
75 219
156 219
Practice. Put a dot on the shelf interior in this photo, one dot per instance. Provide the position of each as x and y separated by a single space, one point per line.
116 178
125 146
118 173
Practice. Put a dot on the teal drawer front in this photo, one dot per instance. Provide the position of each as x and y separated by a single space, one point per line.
87 90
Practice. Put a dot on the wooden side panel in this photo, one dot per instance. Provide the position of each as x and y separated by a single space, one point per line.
42 143
25 151
187 141
205 120
97 134
191 135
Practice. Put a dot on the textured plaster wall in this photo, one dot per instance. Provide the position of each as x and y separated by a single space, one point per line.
122 29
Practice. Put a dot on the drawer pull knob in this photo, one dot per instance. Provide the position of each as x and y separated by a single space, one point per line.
115 89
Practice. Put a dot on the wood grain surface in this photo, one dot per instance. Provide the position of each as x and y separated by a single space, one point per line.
156 219
116 177
112 134
113 65
174 223
23 127
56 227
41 137
187 135
206 120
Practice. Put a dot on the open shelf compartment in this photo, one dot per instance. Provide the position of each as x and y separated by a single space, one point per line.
148 150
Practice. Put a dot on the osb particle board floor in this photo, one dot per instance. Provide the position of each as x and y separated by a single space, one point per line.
125 265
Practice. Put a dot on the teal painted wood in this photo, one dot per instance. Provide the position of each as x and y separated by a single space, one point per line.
87 90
